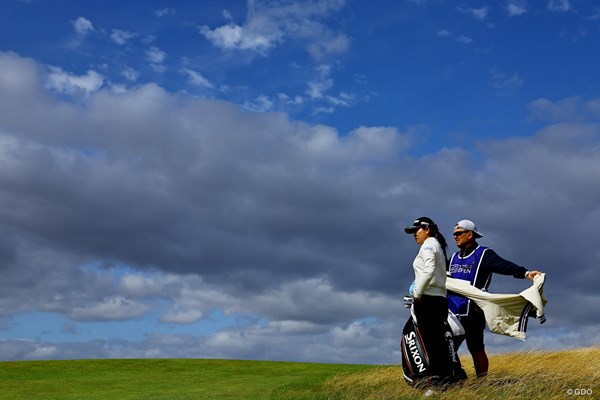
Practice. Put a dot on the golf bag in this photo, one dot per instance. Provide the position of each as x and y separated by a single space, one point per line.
415 360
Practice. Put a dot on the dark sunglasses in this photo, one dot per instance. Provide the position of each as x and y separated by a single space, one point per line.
457 234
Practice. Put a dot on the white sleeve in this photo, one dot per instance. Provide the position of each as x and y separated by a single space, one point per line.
425 275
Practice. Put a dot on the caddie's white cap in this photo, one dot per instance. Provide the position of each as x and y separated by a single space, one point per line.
468 225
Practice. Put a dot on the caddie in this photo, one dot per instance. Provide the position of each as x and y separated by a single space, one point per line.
476 264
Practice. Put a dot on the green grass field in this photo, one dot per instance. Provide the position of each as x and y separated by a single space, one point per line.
529 375
159 379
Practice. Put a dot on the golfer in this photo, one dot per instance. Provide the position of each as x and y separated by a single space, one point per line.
430 303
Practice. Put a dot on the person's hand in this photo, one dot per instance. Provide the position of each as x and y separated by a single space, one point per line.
532 274
408 301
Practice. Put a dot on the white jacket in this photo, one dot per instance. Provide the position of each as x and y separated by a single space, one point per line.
505 314
430 269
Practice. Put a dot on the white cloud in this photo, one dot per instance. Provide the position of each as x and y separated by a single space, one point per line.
322 83
118 88
479 14
261 104
319 93
567 109
595 16
464 39
505 81
356 342
225 37
168 185
323 110
155 55
329 45
18 74
297 327
344 99
232 37
121 37
182 316
593 106
65 82
560 5
148 39
285 99
160 68
136 285
373 143
268 24
316 89
317 301
83 26
41 352
161 12
196 79
458 38
130 74
516 7
110 309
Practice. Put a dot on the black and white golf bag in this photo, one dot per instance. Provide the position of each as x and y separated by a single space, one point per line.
415 360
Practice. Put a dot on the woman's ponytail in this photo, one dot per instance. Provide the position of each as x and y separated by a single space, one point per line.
441 239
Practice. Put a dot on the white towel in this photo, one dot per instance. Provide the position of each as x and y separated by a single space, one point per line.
505 314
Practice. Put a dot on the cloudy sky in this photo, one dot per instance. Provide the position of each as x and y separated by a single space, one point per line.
230 179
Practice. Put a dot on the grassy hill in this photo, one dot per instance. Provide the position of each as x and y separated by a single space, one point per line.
533 375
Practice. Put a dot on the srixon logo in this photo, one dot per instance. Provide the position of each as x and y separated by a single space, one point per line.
414 350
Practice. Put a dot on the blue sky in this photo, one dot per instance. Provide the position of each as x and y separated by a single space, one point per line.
182 179
396 61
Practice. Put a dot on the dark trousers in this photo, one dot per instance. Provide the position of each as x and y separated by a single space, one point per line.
474 324
431 313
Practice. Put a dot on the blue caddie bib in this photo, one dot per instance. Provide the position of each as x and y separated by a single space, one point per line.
465 268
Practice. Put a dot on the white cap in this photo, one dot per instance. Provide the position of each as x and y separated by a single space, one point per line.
468 225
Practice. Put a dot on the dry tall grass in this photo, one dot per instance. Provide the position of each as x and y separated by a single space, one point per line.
570 374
